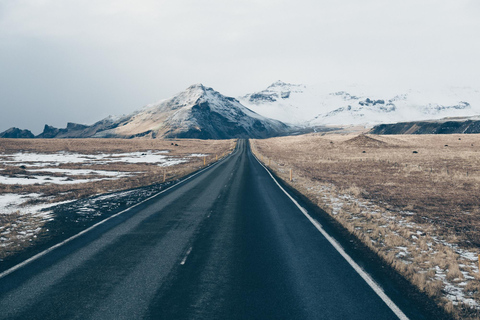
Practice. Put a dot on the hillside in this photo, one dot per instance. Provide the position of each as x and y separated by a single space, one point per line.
17 133
444 126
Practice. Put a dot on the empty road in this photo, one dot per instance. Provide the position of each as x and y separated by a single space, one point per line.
227 243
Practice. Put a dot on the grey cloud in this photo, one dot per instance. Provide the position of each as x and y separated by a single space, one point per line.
75 60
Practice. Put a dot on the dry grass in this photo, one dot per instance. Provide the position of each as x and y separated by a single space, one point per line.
145 173
395 192
92 146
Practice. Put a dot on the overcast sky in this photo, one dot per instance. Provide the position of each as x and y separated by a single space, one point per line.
79 61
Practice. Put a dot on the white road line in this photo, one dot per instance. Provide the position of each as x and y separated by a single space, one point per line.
186 256
368 279
41 254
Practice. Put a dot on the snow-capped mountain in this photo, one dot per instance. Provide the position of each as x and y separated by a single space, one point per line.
201 112
277 91
197 112
314 106
290 103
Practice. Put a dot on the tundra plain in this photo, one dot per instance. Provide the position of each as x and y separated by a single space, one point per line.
39 174
412 199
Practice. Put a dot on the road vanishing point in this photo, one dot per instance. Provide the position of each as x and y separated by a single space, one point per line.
226 243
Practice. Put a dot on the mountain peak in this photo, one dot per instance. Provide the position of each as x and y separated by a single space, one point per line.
198 87
277 91
279 83
195 92
197 112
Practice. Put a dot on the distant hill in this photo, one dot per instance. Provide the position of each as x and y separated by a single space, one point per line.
443 126
17 133
75 130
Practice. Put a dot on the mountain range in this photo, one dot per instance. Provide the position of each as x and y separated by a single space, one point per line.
442 126
280 109
198 112
315 106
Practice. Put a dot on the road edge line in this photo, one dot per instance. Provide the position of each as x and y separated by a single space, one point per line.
46 251
365 276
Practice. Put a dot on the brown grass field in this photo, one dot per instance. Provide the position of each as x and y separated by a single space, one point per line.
15 227
144 173
413 199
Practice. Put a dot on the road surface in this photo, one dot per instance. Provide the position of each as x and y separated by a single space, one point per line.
226 244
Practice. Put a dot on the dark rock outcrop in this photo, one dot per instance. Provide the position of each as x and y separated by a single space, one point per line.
75 130
428 127
48 132
17 134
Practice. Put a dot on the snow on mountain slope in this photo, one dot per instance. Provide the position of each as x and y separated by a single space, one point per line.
197 112
290 103
312 106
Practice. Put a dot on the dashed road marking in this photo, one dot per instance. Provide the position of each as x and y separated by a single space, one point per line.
186 256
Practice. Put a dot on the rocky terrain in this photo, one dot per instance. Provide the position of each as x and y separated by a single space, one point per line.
17 133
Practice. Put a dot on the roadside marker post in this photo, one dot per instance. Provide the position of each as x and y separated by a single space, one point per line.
164 175
291 175
204 160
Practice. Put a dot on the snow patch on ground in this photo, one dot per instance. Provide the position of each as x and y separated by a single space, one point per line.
12 203
30 180
33 159
27 220
47 161
82 172
454 289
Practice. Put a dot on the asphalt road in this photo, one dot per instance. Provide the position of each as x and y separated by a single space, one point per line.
225 244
